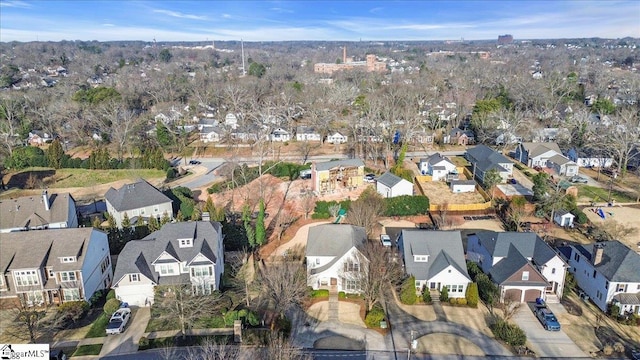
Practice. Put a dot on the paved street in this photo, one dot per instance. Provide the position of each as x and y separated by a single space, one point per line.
546 343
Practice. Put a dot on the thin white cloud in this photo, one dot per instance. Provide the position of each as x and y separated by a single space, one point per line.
108 24
376 10
281 10
226 16
15 4
180 15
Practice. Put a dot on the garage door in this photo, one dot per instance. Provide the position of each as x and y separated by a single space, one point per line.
531 295
513 295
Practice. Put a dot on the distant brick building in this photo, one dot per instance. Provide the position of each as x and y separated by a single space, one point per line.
505 39
369 65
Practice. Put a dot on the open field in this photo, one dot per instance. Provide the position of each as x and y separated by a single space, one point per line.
625 215
592 193
439 193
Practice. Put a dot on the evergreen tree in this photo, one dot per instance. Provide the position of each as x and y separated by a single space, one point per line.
210 207
126 222
111 221
55 153
196 214
261 233
96 223
179 216
165 219
153 224
246 219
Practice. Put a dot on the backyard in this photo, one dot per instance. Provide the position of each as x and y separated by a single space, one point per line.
439 193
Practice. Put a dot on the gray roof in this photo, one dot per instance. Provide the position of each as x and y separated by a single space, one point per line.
486 158
138 256
560 159
339 163
135 196
463 182
435 159
389 179
30 211
36 249
508 266
619 263
537 149
627 299
528 244
444 249
333 240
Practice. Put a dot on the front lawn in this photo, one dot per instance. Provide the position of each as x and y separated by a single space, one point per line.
88 350
98 327
66 178
602 194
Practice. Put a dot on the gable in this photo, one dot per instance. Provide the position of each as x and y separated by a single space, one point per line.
534 276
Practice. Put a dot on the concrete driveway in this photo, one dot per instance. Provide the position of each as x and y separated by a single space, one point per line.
546 343
127 342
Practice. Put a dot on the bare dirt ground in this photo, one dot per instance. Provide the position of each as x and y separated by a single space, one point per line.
439 193
628 216
455 222
299 240
348 313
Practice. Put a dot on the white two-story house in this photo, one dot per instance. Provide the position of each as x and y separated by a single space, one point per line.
54 266
336 138
609 272
436 260
522 264
536 154
139 201
438 167
334 260
48 211
178 254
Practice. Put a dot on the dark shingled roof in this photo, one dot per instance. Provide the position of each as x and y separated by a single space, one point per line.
333 240
137 256
444 249
388 179
135 196
528 244
506 267
487 158
619 263
435 159
339 163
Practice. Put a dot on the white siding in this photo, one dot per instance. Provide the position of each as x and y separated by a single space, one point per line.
451 276
137 293
92 276
335 271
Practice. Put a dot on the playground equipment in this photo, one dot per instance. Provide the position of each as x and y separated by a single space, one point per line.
341 214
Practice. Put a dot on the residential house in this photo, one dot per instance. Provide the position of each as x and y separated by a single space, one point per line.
460 137
562 165
334 260
436 260
590 158
182 253
306 133
536 154
522 264
336 138
280 135
139 201
38 138
231 121
422 137
563 218
211 134
389 185
47 211
608 272
54 266
331 175
484 159
438 167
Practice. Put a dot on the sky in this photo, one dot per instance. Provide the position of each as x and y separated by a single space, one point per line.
24 20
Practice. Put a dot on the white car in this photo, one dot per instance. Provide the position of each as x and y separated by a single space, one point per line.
385 240
118 321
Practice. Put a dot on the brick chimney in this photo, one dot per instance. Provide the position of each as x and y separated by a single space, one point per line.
45 200
596 255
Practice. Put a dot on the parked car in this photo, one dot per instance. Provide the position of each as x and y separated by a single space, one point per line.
385 240
57 355
195 162
118 321
513 181
370 178
305 174
635 354
578 179
546 316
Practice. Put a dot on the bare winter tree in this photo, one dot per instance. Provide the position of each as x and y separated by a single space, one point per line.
212 350
284 285
120 123
179 301
365 211
29 321
280 348
242 272
623 137
306 148
307 204
12 113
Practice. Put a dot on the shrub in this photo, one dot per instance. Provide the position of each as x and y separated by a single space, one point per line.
230 317
453 301
472 295
444 294
253 319
143 342
320 293
509 333
111 294
408 291
171 173
426 296
581 217
462 301
374 317
111 306
72 311
342 295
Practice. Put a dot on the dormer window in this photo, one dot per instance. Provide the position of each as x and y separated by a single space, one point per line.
525 276
68 259
183 243
420 258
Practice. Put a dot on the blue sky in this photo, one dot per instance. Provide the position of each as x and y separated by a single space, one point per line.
25 20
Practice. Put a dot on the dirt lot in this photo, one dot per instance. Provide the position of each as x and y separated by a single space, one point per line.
439 193
628 216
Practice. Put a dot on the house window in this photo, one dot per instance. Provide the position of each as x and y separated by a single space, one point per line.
576 257
454 288
51 274
197 271
350 285
553 270
135 212
156 209
134 277
594 274
606 285
621 288
142 211
317 261
69 259
183 243
68 276
351 266
26 278
105 264
525 276
420 258
35 298
418 284
167 269
71 294
202 289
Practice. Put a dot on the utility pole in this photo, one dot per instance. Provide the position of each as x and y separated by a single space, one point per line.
242 48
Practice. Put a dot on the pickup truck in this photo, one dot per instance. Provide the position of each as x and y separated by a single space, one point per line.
118 321
546 316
